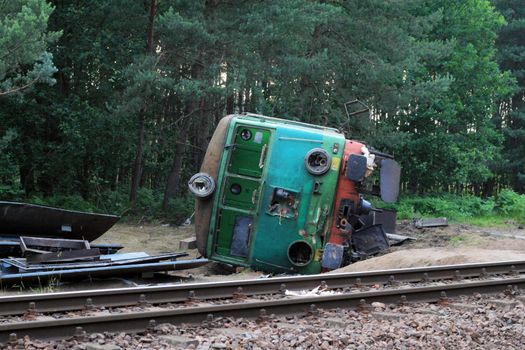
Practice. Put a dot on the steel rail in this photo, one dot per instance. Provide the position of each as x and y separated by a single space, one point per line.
140 321
116 297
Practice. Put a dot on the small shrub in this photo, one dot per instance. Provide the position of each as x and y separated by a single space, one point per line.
72 202
11 193
147 205
511 204
179 209
113 202
405 210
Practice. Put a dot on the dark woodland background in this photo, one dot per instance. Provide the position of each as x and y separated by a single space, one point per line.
108 105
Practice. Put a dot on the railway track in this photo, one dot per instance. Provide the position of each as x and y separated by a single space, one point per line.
190 303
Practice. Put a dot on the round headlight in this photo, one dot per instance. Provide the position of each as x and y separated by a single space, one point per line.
317 161
201 185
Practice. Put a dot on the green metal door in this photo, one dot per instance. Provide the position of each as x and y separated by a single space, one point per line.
249 151
240 192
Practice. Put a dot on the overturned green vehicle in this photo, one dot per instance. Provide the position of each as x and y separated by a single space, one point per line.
266 193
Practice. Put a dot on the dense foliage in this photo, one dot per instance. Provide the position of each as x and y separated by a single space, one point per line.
109 104
507 207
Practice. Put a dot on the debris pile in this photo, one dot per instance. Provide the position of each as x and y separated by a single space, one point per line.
39 242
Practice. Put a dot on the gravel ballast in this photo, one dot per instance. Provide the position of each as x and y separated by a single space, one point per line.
488 322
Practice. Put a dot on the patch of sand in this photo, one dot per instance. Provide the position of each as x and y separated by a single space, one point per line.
432 256
152 239
158 239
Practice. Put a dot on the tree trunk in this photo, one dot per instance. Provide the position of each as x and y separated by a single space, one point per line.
229 104
202 131
151 22
240 107
174 176
27 179
138 167
413 184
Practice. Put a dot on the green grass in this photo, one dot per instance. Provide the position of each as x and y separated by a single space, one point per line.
463 239
504 210
456 241
491 221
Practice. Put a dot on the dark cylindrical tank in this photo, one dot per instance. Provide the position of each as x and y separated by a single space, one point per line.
210 165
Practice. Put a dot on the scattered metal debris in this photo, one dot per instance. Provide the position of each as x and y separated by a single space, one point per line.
10 246
38 245
395 239
14 272
105 260
53 250
59 247
188 221
434 222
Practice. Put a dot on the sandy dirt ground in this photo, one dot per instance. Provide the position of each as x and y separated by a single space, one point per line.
433 246
432 256
152 239
157 239
454 244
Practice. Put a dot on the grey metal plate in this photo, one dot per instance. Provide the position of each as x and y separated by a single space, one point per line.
435 222
356 167
241 236
10 246
370 240
24 219
106 271
105 261
390 174
387 218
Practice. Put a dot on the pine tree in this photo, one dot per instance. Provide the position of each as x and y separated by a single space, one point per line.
24 40
511 57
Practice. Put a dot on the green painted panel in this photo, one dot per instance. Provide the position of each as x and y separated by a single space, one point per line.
291 204
225 233
241 193
249 151
307 196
